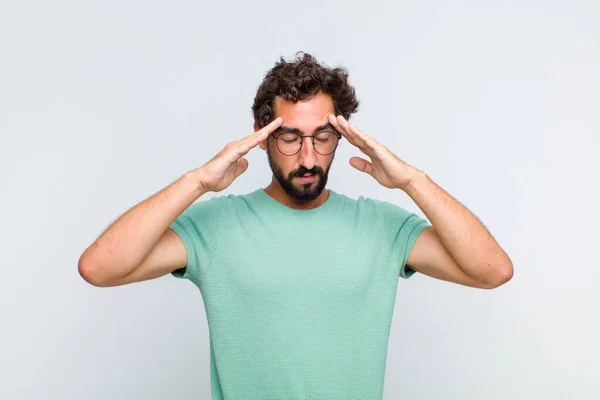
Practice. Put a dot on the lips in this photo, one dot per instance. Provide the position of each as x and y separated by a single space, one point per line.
305 178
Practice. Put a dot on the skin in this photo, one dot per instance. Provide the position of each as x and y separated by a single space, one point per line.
306 116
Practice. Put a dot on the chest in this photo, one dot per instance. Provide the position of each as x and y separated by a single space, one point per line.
285 261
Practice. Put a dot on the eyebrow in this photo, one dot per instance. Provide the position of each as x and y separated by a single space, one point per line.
289 129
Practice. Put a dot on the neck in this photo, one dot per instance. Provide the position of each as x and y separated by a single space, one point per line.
276 192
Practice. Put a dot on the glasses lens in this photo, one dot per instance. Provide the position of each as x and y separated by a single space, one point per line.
289 143
325 142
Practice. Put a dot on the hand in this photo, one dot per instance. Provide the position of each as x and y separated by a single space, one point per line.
385 166
217 174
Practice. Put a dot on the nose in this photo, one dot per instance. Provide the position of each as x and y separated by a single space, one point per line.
307 155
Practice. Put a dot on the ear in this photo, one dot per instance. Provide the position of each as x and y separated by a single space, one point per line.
263 145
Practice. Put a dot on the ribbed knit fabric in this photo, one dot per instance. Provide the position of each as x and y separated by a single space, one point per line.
299 302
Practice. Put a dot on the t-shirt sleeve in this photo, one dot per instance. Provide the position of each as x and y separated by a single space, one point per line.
402 228
198 228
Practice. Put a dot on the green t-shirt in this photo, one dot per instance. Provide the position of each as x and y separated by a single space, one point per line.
299 303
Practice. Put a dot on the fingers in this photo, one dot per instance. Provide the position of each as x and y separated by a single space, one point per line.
341 128
270 127
240 167
350 132
362 165
355 136
240 148
262 134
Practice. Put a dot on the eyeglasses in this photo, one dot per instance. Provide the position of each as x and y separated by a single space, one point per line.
324 142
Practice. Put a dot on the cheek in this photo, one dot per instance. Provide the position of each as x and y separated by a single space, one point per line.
283 162
287 163
325 161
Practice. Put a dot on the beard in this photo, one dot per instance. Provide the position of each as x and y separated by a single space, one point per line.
304 192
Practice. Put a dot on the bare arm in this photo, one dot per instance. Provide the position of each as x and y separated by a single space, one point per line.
138 245
113 259
458 247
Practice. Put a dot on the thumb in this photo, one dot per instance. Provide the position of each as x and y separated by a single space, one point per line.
362 165
241 167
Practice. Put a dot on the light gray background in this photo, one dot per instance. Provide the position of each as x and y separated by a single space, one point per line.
104 104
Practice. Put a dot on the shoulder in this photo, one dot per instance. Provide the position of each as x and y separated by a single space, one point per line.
221 205
372 205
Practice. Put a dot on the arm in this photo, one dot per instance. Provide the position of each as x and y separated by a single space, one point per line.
139 245
458 248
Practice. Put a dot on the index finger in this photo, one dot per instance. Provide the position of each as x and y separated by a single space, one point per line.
246 144
269 128
341 129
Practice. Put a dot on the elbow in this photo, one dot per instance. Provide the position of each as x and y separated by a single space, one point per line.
502 274
88 272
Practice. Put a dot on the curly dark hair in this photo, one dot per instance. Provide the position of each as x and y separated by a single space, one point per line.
299 80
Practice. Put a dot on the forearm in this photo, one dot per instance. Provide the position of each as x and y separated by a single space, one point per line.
128 241
465 238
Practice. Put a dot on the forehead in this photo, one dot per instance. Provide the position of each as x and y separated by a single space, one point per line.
305 113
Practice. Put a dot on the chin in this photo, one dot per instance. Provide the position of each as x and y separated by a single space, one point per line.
306 192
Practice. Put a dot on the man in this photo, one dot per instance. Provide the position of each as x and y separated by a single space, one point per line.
298 281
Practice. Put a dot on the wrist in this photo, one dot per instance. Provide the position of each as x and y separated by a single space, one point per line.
418 178
194 177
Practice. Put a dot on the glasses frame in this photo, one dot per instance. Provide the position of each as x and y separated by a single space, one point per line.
339 136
